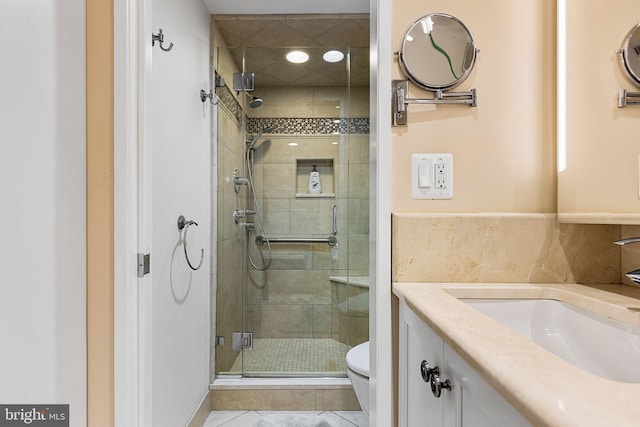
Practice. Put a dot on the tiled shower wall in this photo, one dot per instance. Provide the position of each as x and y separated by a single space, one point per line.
293 299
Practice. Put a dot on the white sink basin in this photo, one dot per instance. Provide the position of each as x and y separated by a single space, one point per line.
592 342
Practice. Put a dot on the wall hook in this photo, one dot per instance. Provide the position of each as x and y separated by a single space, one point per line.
160 39
184 224
204 95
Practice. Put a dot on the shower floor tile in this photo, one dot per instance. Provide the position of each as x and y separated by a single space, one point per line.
313 356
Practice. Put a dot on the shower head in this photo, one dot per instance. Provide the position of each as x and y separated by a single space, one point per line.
252 143
255 102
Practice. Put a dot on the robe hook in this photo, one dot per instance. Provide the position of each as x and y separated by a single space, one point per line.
160 39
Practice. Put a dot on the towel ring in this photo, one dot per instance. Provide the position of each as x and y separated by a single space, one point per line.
184 224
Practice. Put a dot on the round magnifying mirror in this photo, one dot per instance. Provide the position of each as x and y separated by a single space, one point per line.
631 55
437 52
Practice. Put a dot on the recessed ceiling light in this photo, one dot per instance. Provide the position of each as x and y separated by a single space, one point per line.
333 56
335 142
297 56
292 144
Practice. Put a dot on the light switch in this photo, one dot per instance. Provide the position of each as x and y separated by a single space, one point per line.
432 176
425 170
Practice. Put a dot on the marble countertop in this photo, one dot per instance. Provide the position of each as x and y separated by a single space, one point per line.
544 388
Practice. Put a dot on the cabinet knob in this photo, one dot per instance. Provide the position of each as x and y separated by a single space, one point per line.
426 371
437 384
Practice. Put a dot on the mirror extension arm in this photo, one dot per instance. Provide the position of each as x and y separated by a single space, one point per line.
400 100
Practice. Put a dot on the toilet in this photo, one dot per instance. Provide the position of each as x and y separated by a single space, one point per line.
358 371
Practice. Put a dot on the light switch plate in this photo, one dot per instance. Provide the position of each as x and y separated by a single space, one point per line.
439 183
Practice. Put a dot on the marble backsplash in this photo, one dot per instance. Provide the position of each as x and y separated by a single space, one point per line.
504 248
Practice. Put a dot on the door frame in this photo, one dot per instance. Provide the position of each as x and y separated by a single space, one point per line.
382 394
132 68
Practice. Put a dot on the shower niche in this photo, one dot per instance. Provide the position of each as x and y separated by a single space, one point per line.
325 168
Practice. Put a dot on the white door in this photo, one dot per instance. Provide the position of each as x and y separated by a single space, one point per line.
165 323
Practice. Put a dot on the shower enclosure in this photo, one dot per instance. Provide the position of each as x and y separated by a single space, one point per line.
291 289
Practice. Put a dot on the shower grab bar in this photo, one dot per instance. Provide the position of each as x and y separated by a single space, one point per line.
335 220
331 240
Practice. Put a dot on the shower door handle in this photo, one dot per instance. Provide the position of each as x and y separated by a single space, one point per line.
335 220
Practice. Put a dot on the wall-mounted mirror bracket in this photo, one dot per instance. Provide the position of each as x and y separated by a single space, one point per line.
628 98
400 100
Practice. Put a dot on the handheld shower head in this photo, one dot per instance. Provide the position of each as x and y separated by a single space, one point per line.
252 143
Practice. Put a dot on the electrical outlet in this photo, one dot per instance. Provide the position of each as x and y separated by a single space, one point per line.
441 175
432 176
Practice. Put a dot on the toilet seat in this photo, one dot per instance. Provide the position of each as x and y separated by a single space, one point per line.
358 359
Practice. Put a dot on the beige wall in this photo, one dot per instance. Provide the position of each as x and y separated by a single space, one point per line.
100 213
602 139
504 149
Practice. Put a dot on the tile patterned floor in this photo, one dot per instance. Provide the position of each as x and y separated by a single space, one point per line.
250 418
321 357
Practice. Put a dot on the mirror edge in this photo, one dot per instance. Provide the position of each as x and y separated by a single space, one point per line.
431 87
632 76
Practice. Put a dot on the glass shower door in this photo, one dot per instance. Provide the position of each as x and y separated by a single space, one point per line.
300 315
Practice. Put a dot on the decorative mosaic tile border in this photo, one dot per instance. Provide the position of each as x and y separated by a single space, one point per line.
229 102
310 126
291 125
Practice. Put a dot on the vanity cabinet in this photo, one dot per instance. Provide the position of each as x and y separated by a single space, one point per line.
466 399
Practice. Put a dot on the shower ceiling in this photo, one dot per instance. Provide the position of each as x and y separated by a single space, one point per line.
270 37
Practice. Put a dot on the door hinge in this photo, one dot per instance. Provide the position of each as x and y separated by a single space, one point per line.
144 264
242 341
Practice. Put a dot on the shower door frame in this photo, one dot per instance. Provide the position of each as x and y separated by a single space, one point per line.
344 153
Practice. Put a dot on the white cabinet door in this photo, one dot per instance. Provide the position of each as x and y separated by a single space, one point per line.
470 401
482 406
418 406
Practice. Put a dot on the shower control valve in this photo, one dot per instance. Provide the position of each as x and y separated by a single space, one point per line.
240 180
240 214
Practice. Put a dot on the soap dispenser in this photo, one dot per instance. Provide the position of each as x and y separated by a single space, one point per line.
314 181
